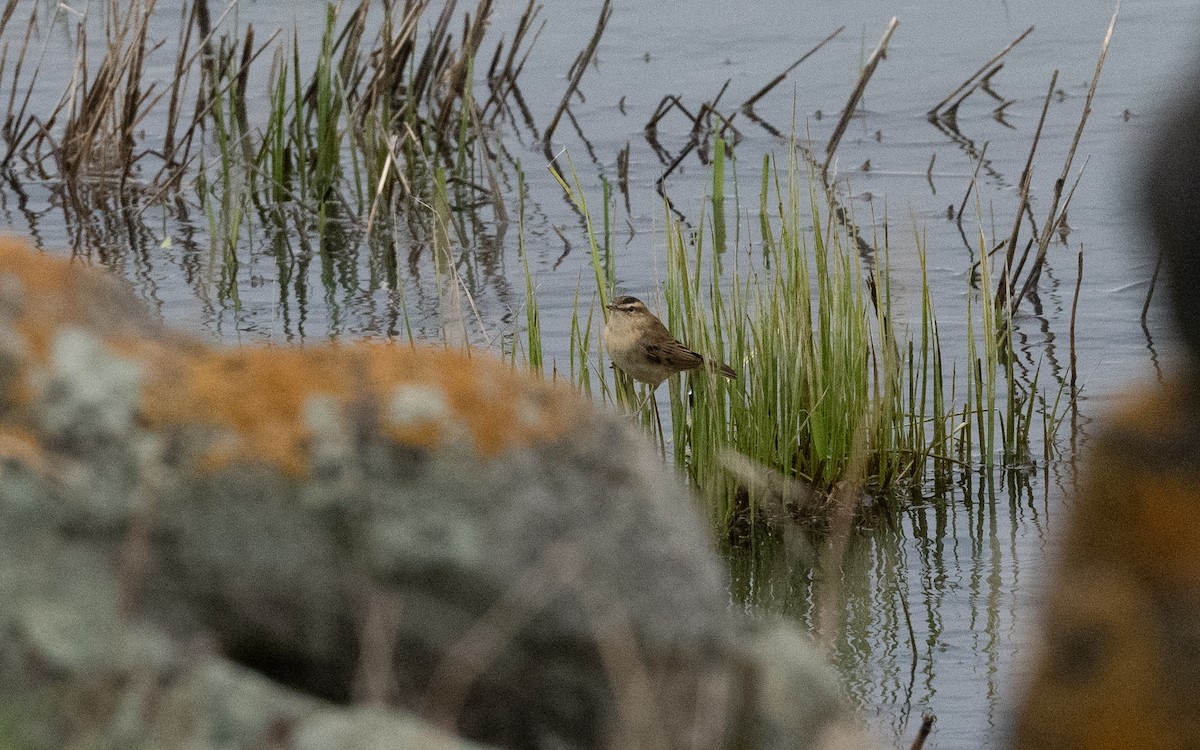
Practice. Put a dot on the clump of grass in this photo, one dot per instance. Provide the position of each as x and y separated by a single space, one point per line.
351 130
808 323
815 347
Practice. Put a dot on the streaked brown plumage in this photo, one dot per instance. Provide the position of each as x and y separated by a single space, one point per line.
639 344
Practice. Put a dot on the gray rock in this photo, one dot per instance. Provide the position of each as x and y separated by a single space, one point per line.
348 546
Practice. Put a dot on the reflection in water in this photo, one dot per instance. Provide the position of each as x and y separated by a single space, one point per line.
932 603
277 283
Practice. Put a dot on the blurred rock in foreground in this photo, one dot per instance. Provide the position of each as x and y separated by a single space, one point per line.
1120 663
366 546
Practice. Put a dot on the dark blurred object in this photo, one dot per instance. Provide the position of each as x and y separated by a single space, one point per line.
1171 200
1119 665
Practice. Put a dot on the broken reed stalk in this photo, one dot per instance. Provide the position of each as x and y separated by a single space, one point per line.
1074 310
1150 291
695 138
107 112
178 80
749 103
460 68
1054 216
9 8
508 74
971 185
932 114
578 69
664 106
951 112
923 732
1010 277
16 126
865 76
709 108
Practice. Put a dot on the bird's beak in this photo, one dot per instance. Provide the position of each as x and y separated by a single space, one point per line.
611 306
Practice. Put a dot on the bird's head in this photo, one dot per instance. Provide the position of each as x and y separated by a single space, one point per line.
629 306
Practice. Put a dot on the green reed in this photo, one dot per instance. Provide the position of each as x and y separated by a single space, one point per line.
808 322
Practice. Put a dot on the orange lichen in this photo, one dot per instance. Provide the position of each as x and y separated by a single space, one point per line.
255 398
260 394
23 446
37 273
52 291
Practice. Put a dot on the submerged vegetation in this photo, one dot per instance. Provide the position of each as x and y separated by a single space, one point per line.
384 129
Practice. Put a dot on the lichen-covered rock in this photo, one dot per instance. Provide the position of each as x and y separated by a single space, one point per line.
312 547
1120 662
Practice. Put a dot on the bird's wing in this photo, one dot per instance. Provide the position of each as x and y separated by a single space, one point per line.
673 354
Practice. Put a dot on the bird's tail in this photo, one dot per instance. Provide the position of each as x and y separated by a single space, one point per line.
720 367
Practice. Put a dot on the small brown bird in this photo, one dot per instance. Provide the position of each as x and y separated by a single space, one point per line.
644 349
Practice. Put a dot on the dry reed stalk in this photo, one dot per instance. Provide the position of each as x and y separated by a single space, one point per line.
578 68
1150 291
508 74
558 571
668 102
951 112
923 732
1054 216
200 18
1074 310
484 641
389 163
933 113
9 8
103 118
396 51
134 551
97 117
206 26
640 720
1010 277
971 185
855 95
433 59
349 42
460 67
17 125
381 618
204 105
493 183
178 80
749 103
700 125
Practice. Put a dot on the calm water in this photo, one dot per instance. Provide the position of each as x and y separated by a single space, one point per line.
938 605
